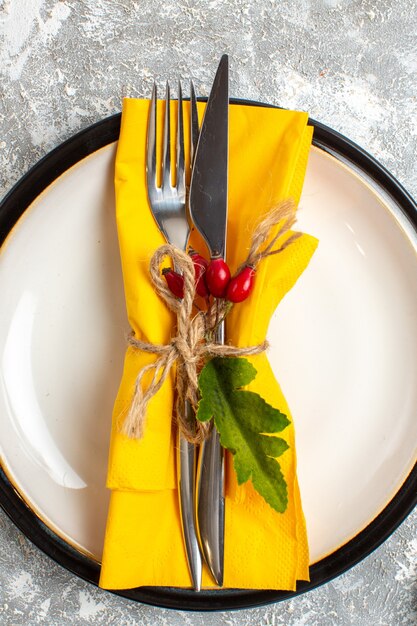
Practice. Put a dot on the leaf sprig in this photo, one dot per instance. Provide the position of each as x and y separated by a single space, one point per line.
246 424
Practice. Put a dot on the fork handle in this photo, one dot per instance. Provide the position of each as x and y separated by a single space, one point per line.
210 498
186 473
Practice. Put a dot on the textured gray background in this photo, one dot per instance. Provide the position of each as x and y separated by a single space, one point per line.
351 64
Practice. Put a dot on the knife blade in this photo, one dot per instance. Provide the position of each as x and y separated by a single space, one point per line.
208 210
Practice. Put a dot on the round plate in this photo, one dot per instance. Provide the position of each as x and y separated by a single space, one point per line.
343 348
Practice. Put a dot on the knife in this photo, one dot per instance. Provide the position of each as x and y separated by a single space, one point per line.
208 210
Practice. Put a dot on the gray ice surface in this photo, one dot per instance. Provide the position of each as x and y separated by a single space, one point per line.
351 63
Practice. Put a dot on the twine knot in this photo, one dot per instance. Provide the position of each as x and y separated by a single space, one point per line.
188 350
194 342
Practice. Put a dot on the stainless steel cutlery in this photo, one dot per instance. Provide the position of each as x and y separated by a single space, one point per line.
168 206
208 210
201 489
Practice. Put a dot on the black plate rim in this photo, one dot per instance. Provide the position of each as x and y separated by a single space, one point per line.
24 192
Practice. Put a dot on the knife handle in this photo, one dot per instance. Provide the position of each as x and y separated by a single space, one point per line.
186 473
210 498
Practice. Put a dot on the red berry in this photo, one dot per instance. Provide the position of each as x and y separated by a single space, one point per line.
200 266
241 285
175 282
217 277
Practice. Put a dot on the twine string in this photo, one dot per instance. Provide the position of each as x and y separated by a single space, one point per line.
283 215
193 343
187 350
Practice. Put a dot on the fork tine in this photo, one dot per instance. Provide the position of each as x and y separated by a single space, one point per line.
151 142
166 156
180 174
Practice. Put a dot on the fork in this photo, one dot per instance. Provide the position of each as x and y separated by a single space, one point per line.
169 208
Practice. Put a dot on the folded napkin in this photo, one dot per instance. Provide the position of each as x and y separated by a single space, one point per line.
143 543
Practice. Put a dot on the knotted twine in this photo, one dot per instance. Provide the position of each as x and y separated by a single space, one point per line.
193 345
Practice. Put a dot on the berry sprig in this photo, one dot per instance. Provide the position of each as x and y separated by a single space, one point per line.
214 278
200 268
175 282
241 285
218 277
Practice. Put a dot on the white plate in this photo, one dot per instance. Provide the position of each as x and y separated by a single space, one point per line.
343 346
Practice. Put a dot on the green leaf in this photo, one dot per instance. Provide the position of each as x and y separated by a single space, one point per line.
243 420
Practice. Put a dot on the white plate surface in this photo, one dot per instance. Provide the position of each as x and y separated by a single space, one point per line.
343 346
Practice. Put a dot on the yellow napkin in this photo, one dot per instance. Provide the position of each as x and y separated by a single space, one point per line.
143 544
